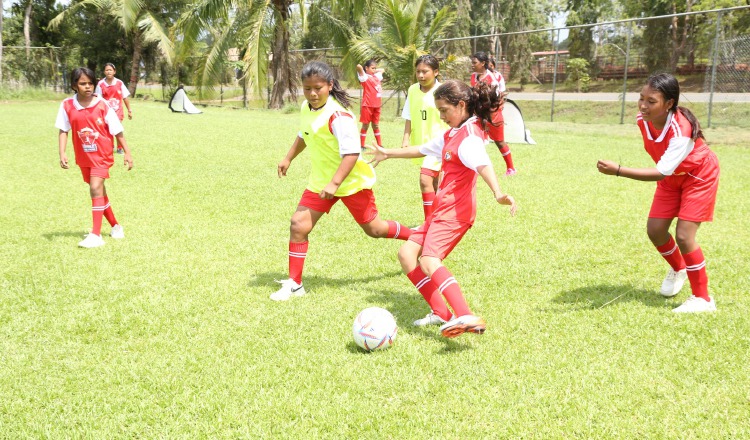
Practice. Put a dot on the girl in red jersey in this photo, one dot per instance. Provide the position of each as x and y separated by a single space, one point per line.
114 93
371 79
687 176
329 132
480 63
463 158
94 124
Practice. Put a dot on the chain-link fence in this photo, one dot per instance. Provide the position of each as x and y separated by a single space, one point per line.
41 67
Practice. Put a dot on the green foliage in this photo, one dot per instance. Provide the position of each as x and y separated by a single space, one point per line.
578 72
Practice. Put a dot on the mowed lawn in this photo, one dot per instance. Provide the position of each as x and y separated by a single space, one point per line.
170 333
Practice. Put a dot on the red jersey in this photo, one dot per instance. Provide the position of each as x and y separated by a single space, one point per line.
93 130
489 78
113 94
372 90
671 148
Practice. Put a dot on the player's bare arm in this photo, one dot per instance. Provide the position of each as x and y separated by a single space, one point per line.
488 175
297 147
381 154
345 167
611 168
62 144
127 158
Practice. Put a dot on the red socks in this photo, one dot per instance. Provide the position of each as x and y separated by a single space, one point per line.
97 211
377 138
696 272
297 255
450 289
505 151
108 213
672 254
427 199
362 138
398 231
429 291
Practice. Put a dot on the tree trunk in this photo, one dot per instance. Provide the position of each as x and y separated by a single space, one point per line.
26 29
1 42
136 63
280 64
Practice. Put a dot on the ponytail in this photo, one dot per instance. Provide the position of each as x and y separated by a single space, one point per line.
324 71
696 126
340 94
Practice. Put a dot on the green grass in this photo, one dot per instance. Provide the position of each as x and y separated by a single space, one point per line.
170 332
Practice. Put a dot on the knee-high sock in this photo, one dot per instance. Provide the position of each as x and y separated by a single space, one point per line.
429 292
108 213
505 152
672 254
398 231
427 199
696 272
297 255
97 211
377 138
362 137
450 289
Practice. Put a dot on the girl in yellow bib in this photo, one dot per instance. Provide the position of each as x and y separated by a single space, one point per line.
329 132
423 123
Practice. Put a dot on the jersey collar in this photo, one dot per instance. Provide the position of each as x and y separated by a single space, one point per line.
78 105
650 126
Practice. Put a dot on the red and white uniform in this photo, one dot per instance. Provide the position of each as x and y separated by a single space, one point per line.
495 130
372 89
692 170
93 130
113 94
455 208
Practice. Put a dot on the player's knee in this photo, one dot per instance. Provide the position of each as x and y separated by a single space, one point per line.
684 239
299 226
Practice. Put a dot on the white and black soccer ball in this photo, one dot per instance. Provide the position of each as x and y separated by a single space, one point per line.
374 329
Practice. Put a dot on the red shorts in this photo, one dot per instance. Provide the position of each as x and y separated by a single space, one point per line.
690 196
429 172
439 237
497 132
370 114
361 204
98 172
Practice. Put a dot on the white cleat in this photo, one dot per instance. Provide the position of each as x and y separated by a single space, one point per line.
289 288
673 283
430 319
695 304
117 232
91 241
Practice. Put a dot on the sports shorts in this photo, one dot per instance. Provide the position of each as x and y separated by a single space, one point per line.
361 205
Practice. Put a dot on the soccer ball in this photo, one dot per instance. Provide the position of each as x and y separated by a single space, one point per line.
374 329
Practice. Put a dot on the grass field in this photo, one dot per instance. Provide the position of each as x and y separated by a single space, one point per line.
170 332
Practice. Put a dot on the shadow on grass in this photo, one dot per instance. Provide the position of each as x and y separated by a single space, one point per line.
605 295
52 235
313 282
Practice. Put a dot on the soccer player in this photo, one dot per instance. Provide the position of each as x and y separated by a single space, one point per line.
480 63
371 78
687 176
463 156
93 124
423 123
114 93
329 132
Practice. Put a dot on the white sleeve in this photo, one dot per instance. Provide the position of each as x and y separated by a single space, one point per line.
98 89
678 150
344 129
434 147
362 78
62 122
379 76
125 92
113 122
472 153
406 112
501 84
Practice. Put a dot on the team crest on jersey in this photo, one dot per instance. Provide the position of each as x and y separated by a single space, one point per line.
448 155
113 103
99 121
88 138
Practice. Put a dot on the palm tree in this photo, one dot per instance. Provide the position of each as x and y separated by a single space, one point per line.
136 17
257 27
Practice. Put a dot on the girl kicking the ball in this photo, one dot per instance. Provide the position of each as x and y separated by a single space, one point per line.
461 149
329 132
687 176
94 124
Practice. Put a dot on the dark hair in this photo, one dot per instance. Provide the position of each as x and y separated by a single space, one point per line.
110 65
429 60
669 88
76 74
481 100
483 57
369 62
324 71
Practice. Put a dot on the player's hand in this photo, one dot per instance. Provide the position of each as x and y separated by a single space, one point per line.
607 167
506 199
329 191
128 161
283 167
64 162
378 155
130 114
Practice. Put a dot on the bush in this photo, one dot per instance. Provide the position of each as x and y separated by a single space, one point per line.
578 72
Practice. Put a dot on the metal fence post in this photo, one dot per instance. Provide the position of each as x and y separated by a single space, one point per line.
625 77
713 68
554 78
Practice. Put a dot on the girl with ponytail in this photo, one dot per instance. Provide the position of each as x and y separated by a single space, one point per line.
461 149
329 133
687 176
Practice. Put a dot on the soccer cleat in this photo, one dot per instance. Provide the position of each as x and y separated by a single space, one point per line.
289 288
510 172
696 304
430 319
120 151
117 232
673 282
91 241
462 324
